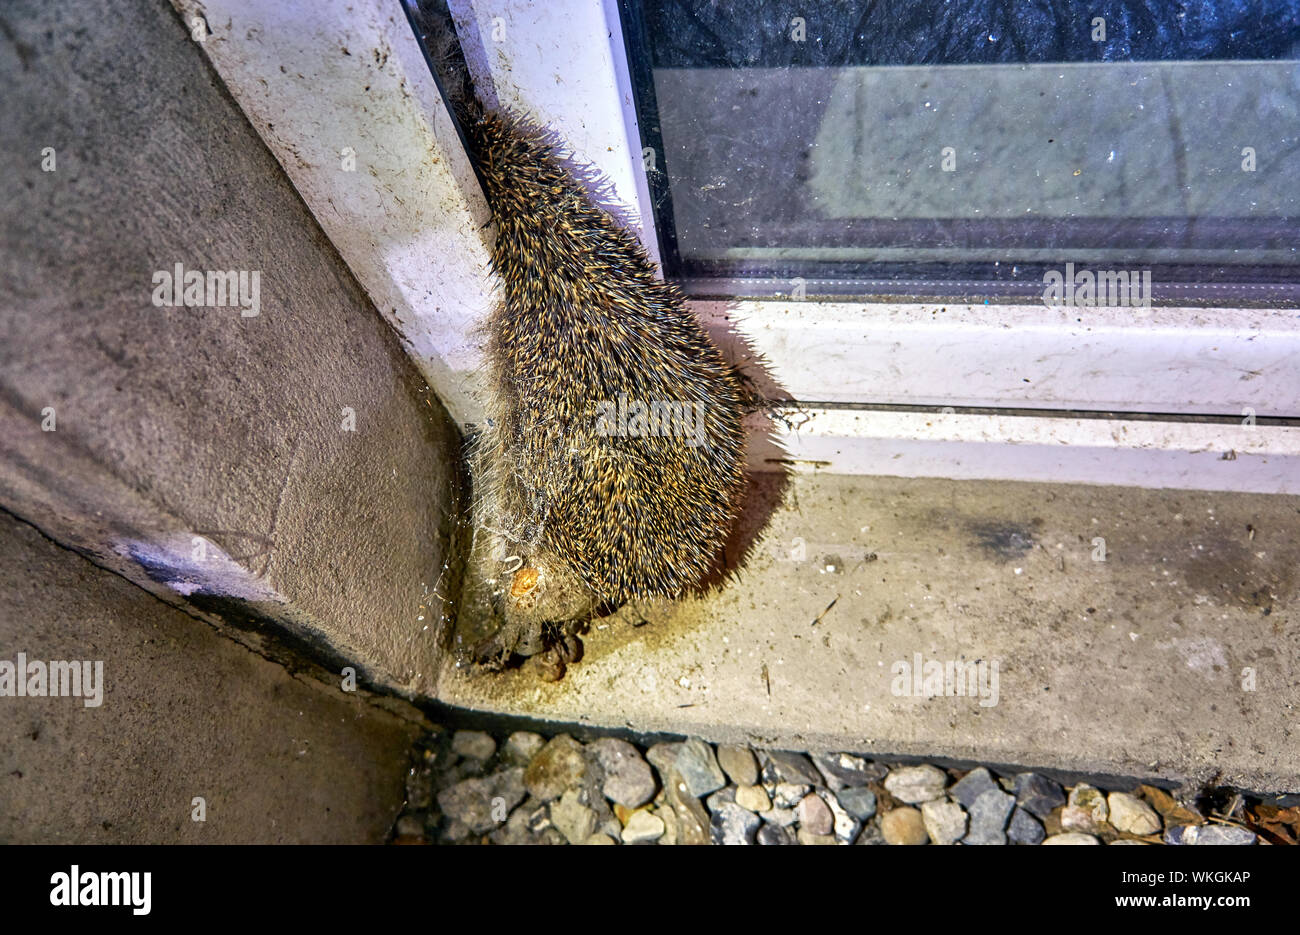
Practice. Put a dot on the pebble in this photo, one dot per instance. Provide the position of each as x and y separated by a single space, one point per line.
669 818
521 746
600 838
790 768
558 766
693 821
724 796
628 780
663 757
739 764
753 798
1037 794
515 830
1129 813
841 770
789 794
1181 834
814 815
1024 828
732 824
470 800
455 830
1071 837
945 821
782 817
1170 809
539 816
410 825
699 767
916 784
1085 811
1223 834
988 817
473 744
972 785
870 834
846 826
572 817
903 826
642 827
805 837
774 835
419 787
860 803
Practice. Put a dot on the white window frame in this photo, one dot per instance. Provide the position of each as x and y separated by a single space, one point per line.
873 379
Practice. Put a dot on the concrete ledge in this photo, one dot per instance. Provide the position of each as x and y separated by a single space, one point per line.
1173 659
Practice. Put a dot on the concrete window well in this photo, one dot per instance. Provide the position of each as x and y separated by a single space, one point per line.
650 422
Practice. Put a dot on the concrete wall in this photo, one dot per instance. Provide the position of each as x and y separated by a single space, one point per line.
206 454
185 712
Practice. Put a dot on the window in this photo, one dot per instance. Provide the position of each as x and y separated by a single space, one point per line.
969 148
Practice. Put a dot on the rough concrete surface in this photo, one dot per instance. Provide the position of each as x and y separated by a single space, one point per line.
185 713
199 451
1173 659
325 83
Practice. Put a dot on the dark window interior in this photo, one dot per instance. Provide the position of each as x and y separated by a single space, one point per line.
965 148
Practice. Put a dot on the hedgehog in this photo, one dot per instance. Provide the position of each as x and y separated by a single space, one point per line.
611 468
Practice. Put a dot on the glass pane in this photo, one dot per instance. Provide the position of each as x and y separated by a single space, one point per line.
970 147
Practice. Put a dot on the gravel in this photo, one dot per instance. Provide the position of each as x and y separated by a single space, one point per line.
739 765
814 815
989 814
1131 814
699 767
473 744
573 818
1024 828
793 768
628 780
558 766
904 826
860 803
753 798
474 787
732 824
1037 794
945 821
972 785
916 784
643 827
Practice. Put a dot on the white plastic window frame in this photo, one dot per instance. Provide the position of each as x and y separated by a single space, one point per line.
901 389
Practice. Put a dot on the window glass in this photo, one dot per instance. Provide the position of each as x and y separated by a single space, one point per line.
973 147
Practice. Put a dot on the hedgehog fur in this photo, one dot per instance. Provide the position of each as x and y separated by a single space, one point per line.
612 466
